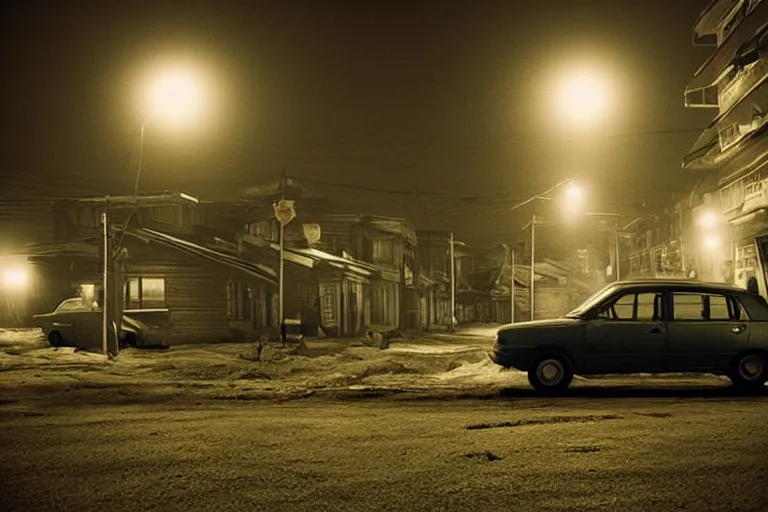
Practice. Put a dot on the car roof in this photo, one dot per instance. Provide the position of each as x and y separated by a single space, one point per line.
689 284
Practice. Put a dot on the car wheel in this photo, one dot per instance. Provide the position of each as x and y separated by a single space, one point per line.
55 339
749 371
550 373
129 341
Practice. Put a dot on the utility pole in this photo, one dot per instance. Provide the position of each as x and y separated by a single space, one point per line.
281 293
533 265
105 278
512 290
616 242
453 283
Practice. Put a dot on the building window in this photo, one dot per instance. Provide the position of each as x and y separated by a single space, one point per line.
233 305
238 301
145 293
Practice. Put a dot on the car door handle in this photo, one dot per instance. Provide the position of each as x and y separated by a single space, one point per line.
738 329
655 330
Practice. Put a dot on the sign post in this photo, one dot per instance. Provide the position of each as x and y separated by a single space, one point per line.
285 213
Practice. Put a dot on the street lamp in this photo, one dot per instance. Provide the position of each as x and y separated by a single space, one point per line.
573 196
710 224
15 279
178 98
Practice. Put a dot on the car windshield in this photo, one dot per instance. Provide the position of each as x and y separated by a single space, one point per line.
592 301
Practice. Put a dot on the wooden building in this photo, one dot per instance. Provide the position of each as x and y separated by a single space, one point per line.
177 285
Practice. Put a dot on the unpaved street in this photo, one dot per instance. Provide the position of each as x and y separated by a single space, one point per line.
642 452
426 425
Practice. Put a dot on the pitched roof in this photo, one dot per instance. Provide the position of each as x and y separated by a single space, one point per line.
259 271
311 258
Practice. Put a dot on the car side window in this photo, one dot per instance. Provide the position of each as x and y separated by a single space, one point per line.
647 307
737 309
719 309
633 307
623 308
704 307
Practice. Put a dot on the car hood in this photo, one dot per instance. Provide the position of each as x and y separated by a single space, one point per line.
539 324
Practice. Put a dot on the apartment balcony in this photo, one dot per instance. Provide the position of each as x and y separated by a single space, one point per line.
701 156
756 196
720 65
752 74
706 29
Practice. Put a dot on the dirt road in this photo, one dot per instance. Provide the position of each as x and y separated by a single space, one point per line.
418 427
651 450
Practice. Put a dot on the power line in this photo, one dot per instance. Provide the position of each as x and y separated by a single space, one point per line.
452 145
498 198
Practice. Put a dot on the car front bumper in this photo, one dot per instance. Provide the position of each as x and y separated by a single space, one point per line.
511 357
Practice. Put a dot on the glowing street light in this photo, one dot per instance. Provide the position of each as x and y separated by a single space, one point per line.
712 242
572 197
572 202
177 96
582 98
708 219
15 279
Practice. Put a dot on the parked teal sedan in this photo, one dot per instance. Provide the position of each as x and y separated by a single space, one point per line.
655 326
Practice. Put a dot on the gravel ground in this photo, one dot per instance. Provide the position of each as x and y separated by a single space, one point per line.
639 453
426 425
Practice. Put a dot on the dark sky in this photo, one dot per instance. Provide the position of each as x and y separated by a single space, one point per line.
441 96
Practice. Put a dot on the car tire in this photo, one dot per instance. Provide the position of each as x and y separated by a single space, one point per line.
550 373
55 339
129 340
749 371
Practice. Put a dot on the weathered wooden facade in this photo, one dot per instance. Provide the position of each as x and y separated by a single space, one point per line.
384 247
434 263
165 273
326 292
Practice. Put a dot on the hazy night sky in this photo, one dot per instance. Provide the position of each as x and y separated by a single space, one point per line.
442 96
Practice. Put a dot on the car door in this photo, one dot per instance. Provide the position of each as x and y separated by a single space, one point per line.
629 335
706 330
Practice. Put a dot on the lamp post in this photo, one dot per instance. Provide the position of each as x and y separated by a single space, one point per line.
574 196
176 96
615 236
453 281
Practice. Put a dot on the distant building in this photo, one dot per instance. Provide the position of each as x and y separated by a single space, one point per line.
729 221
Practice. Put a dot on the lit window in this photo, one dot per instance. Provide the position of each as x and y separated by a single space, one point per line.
145 293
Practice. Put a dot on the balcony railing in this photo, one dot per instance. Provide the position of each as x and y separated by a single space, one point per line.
742 83
735 18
